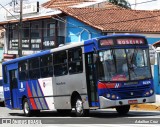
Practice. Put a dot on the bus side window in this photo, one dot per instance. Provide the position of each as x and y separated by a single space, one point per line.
34 70
46 66
23 70
60 63
75 61
5 78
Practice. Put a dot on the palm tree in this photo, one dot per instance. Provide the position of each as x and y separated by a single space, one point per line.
122 3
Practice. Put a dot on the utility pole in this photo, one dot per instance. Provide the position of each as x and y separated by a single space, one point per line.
20 30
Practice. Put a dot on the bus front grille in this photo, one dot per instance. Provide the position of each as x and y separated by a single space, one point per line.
130 92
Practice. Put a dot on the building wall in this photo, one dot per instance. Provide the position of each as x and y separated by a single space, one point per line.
77 31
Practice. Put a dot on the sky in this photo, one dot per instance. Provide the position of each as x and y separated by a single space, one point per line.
141 4
145 4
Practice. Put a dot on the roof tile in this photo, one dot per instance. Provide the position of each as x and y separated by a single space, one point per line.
117 20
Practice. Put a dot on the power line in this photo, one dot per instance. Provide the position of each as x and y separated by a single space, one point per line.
5 5
144 2
104 23
8 11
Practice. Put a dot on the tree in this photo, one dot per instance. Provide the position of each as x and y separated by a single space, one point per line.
122 3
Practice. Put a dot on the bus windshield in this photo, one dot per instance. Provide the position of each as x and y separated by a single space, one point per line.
123 65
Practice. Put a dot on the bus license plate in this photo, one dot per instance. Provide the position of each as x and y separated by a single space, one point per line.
132 101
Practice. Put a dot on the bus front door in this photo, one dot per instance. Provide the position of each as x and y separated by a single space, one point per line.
13 84
91 81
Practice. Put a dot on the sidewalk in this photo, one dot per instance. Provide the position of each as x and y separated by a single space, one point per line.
148 106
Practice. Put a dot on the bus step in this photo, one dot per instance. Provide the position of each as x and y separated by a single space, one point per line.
92 108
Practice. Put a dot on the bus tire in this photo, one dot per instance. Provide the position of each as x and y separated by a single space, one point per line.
79 110
122 110
26 108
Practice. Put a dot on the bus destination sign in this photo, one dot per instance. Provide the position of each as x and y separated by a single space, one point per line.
130 41
105 42
122 41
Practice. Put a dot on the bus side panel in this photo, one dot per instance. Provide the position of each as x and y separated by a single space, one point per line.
46 86
68 84
39 93
7 96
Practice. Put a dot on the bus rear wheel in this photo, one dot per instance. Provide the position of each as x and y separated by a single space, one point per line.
122 110
80 111
26 108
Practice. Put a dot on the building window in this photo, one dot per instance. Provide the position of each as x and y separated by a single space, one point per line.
36 35
50 29
26 36
13 36
49 34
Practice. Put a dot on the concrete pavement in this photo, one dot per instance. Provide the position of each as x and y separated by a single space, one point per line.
148 106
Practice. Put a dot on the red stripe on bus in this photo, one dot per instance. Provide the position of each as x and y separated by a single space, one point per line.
101 86
110 85
30 97
106 85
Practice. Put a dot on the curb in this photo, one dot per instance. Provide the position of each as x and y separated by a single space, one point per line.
151 107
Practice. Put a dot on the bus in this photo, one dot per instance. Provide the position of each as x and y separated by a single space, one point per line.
110 71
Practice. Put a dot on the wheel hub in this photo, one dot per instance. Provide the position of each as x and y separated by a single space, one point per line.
26 108
79 106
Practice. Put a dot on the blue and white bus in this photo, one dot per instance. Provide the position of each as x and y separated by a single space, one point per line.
105 72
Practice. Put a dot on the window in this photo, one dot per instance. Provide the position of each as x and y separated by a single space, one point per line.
5 74
46 66
13 37
51 29
34 71
60 63
1 82
75 60
23 70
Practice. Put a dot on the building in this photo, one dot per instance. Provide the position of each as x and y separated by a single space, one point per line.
42 28
1 48
64 21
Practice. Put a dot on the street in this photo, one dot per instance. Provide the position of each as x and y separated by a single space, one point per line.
107 116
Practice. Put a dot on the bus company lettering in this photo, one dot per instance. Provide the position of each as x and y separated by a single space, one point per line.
146 82
61 83
6 89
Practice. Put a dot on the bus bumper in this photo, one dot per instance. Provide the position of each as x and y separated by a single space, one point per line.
105 103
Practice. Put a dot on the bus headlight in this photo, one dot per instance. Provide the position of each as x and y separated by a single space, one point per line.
113 96
151 91
147 93
108 95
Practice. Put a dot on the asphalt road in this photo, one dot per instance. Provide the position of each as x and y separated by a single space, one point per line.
108 116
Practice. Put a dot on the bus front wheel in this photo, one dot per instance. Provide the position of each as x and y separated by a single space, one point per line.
122 110
80 111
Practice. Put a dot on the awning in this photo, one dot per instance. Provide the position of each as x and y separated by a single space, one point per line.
35 17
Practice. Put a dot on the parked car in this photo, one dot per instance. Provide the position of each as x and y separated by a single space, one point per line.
1 91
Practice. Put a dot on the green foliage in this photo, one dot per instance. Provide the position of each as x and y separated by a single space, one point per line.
122 3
